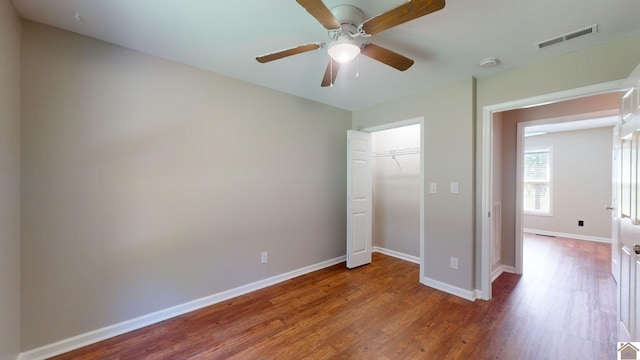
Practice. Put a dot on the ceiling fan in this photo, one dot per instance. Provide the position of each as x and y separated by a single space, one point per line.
348 34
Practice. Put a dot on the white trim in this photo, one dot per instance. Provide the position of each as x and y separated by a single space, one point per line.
422 194
97 335
477 294
519 214
396 254
567 235
486 204
450 289
502 269
487 148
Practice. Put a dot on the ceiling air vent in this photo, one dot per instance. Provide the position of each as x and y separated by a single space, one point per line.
566 37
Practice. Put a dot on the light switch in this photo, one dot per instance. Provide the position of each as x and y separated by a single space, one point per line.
433 188
454 187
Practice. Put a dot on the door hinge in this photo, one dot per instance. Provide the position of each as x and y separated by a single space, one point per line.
489 214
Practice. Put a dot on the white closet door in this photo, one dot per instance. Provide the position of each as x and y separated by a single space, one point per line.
359 213
628 216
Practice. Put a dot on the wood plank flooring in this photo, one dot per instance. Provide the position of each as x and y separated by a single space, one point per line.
563 307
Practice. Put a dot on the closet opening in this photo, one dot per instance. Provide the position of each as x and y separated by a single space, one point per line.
397 190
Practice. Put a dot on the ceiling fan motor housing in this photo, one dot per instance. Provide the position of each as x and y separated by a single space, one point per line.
350 17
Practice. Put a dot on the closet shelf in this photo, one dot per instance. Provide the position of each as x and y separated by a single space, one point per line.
397 152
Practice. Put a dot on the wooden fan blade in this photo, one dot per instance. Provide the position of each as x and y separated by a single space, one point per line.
288 52
331 73
386 56
403 13
319 10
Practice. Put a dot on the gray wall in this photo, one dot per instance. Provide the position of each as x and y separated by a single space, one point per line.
454 145
9 181
581 182
140 176
396 192
147 184
448 148
596 65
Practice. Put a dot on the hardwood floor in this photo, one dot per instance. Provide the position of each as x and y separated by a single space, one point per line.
562 307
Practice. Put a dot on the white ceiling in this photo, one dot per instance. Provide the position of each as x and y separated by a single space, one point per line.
226 36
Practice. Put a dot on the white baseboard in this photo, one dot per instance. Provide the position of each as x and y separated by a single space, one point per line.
471 295
570 236
396 254
502 269
453 290
104 333
477 294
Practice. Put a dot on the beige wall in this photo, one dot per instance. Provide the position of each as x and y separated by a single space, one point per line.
148 184
9 181
448 148
575 109
508 189
581 182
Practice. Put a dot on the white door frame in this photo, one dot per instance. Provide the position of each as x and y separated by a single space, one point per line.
487 169
397 124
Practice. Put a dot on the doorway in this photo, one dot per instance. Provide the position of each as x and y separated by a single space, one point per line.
491 116
398 189
559 157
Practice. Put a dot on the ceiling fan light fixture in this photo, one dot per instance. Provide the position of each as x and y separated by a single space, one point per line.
343 52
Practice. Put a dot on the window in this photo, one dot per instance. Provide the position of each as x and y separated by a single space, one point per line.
537 181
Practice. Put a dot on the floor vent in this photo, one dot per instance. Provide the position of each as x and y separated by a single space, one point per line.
570 36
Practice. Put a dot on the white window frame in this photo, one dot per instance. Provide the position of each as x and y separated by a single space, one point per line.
548 149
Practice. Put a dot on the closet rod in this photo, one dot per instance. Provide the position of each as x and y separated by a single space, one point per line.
407 151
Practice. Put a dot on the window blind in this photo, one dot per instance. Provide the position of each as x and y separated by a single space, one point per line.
537 181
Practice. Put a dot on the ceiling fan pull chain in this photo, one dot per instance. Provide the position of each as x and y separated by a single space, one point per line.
331 71
357 66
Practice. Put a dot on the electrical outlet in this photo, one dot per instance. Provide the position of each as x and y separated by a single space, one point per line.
580 222
264 257
454 263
